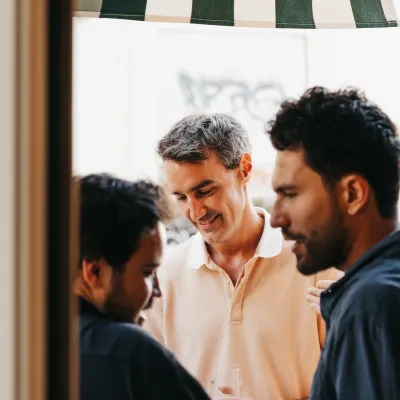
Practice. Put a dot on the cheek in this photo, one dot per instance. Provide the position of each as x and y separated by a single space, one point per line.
107 288
309 211
148 290
137 290
233 201
320 208
226 199
303 208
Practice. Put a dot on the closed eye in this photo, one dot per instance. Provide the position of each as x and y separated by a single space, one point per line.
148 273
203 193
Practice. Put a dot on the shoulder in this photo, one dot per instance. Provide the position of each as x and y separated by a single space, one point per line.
377 291
330 274
147 356
375 296
124 358
286 255
119 340
180 258
138 340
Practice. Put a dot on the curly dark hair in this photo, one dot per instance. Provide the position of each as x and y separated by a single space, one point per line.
114 214
341 132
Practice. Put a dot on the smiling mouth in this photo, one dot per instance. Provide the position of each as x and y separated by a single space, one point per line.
296 246
208 223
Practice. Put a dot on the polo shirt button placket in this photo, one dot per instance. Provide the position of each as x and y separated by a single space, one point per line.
229 288
236 305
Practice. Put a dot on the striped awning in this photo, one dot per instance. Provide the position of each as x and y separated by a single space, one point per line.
306 14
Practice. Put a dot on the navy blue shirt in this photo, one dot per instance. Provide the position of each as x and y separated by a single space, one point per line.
120 361
361 356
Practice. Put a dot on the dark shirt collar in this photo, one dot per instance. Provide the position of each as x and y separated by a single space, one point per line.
388 247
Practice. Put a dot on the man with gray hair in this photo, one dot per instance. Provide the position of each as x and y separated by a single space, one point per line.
233 298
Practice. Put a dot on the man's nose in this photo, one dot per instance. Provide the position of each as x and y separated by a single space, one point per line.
156 287
278 217
196 210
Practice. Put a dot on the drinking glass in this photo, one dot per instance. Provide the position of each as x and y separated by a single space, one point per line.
225 377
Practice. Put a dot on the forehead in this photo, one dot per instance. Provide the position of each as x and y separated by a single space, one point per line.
182 176
291 169
150 247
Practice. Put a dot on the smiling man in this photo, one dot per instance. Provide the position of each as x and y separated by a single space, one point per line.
232 294
337 185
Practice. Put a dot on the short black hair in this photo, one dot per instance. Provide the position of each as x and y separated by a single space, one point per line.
341 132
115 214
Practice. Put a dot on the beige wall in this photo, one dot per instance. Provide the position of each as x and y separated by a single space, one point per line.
7 200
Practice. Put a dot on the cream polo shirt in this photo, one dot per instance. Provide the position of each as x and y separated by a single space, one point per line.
264 324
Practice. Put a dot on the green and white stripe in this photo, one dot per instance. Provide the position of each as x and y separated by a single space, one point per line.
306 14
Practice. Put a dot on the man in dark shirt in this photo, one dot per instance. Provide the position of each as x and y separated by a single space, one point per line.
121 240
337 184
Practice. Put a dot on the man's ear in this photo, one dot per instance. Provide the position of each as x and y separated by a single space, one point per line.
355 193
92 272
246 167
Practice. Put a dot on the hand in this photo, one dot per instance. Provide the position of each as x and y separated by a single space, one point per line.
314 294
226 394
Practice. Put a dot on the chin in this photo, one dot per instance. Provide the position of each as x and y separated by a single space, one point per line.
214 238
307 270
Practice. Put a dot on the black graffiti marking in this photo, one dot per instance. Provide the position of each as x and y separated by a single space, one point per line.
258 101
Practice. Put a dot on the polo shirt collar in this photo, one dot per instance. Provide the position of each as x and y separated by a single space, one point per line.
270 245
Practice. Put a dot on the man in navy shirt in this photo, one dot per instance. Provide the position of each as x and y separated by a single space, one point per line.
121 240
337 183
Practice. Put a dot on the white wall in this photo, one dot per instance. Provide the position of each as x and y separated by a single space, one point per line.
125 92
114 99
7 221
368 59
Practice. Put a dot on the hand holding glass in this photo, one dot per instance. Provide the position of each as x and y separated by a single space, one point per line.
226 381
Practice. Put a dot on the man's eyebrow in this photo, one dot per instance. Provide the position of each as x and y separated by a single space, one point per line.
152 265
284 188
199 186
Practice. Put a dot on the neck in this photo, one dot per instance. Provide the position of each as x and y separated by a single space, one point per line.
371 233
246 239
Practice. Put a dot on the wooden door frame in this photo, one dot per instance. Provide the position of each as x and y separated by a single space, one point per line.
44 216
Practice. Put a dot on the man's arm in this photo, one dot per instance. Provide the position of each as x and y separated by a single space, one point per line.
174 382
364 363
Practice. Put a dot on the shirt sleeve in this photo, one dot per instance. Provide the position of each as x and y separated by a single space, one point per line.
154 322
365 361
165 378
